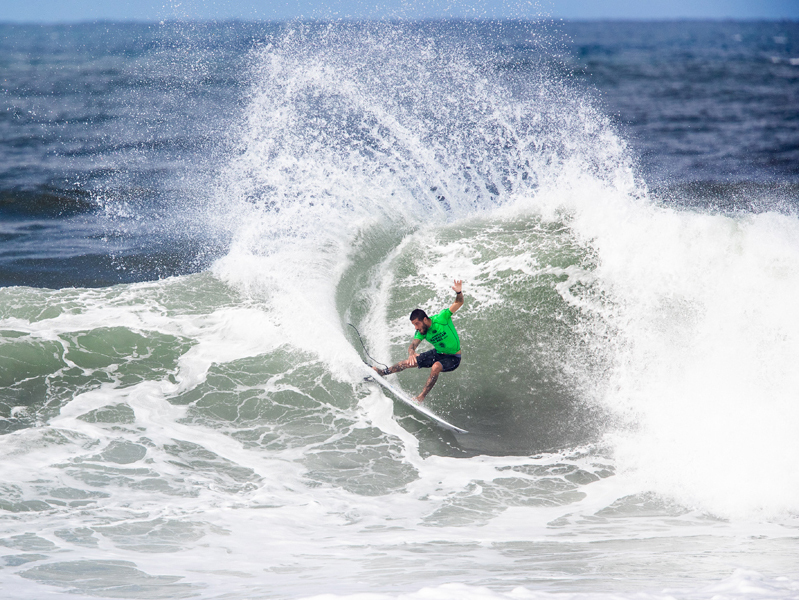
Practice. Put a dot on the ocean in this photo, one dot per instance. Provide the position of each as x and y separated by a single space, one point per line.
206 228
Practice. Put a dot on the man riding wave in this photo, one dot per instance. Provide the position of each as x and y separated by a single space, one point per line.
441 333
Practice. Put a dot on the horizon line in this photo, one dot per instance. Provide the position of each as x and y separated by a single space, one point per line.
138 21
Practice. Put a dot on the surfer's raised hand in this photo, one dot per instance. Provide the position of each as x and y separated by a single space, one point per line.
458 289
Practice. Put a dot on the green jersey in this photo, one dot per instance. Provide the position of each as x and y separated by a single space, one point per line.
442 334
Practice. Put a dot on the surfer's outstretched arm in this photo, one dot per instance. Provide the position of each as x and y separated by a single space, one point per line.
458 289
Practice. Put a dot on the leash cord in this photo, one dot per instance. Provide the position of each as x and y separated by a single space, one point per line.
364 346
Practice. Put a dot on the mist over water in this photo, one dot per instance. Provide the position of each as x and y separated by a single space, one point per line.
627 380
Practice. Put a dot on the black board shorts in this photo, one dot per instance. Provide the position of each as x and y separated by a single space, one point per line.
450 362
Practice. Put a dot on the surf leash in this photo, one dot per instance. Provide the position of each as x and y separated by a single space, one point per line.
364 346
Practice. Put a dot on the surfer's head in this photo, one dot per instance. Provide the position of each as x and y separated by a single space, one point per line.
420 320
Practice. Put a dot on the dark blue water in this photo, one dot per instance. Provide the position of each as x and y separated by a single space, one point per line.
711 102
112 133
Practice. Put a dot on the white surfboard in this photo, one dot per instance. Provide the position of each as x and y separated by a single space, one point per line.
405 398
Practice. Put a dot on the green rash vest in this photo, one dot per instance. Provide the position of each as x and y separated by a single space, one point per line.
442 334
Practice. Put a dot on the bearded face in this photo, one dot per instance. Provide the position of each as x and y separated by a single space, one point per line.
421 326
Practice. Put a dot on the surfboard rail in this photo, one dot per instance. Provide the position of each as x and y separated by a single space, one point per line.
406 399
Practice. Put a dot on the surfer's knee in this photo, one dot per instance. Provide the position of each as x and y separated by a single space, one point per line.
437 367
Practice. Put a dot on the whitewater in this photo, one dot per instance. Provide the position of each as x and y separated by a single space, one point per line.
628 382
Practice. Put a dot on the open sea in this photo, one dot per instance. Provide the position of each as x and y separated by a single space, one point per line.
193 214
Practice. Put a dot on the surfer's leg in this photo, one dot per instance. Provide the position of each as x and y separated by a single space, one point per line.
431 381
400 366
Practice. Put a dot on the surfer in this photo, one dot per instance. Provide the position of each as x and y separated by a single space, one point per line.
440 332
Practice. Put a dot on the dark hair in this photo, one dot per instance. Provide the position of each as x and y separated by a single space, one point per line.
418 315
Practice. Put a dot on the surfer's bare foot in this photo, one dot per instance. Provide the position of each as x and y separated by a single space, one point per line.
418 399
